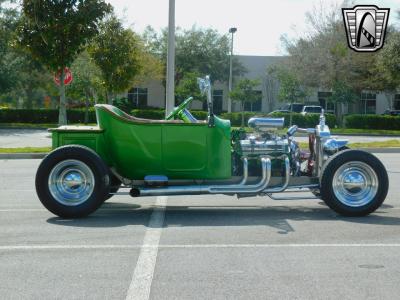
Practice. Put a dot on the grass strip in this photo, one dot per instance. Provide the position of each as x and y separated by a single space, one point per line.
26 150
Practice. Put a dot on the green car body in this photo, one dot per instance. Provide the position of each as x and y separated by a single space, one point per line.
137 147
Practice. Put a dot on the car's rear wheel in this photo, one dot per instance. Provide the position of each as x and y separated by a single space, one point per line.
115 184
72 181
354 183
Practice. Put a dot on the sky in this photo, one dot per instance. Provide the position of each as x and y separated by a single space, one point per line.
260 23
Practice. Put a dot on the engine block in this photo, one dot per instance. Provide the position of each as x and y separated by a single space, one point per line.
256 147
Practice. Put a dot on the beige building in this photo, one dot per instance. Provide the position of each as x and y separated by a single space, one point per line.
152 93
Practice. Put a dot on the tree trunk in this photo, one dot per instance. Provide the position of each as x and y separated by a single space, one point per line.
242 114
109 98
339 118
94 95
86 108
62 114
29 97
20 102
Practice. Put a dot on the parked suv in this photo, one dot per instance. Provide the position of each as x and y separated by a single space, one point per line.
392 112
294 107
311 109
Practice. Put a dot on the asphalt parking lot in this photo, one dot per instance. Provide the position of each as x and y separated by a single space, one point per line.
197 247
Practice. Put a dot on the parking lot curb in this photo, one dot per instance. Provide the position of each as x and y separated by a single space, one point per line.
22 155
4 156
382 150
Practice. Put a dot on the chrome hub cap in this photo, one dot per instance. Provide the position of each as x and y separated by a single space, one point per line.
355 184
71 182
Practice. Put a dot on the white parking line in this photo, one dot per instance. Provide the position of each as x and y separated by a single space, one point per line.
139 288
196 246
131 209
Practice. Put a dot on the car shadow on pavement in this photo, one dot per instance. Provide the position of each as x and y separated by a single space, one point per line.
278 217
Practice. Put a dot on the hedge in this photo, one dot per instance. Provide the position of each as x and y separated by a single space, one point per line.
372 122
307 121
37 116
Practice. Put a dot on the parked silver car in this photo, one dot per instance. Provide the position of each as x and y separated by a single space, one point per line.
311 109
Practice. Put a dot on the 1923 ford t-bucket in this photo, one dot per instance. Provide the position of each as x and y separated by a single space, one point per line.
188 157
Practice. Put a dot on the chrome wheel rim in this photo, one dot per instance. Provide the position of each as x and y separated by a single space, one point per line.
71 182
355 184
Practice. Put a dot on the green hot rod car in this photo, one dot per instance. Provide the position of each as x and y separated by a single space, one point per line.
124 154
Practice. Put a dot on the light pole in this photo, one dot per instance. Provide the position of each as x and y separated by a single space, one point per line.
170 92
232 30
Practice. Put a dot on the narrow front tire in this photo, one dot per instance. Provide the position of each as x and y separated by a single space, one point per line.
354 183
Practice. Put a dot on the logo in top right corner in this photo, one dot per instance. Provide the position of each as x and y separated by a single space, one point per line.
365 27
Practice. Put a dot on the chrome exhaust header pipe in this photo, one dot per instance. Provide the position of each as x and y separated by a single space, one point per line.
287 178
240 188
251 188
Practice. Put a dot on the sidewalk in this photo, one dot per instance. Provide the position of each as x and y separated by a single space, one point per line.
18 138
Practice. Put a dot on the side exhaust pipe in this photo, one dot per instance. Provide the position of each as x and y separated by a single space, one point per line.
240 188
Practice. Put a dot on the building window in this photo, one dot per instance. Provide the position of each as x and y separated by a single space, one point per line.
327 105
255 105
368 103
138 96
396 104
218 96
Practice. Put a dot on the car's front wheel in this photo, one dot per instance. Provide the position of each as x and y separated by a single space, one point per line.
72 181
354 183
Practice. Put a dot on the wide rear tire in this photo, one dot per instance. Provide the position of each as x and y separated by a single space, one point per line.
115 184
72 181
354 183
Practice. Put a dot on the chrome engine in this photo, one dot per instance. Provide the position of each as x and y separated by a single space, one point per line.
265 142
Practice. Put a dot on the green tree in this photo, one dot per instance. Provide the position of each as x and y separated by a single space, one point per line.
322 59
8 22
116 51
387 78
243 92
341 93
87 81
33 81
187 87
290 89
55 32
198 50
22 78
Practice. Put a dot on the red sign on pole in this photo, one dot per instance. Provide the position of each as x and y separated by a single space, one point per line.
67 76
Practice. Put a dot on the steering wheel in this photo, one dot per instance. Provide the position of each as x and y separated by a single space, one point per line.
177 110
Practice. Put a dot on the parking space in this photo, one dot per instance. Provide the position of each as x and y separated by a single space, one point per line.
197 247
